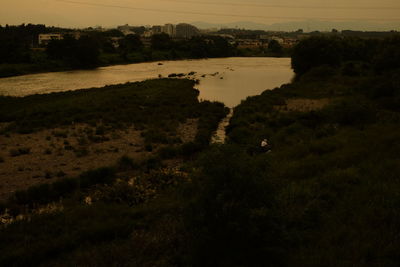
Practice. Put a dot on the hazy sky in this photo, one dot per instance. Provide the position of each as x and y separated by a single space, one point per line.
83 13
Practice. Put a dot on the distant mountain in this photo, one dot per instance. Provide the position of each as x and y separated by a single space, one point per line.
307 25
239 24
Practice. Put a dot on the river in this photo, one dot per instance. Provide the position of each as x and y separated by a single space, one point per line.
227 80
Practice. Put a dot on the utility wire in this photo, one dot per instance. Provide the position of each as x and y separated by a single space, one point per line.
285 6
216 14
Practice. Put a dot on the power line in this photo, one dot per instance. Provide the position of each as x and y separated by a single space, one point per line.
285 6
215 14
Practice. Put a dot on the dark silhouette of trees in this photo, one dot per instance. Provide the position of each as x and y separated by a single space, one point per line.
129 44
275 47
83 52
230 215
379 55
389 55
161 41
316 51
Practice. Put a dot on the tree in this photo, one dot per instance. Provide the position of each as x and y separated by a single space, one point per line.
316 51
77 53
275 47
131 43
161 41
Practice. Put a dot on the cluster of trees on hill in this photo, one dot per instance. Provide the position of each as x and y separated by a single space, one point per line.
334 51
82 52
16 41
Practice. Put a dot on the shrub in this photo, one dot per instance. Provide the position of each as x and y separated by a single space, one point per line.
99 176
39 194
19 151
60 174
126 163
229 213
153 163
81 152
169 152
65 186
148 147
48 175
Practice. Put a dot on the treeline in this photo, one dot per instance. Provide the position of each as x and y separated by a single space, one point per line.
360 55
95 48
16 41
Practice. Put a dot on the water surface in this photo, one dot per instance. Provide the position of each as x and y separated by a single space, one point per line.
228 80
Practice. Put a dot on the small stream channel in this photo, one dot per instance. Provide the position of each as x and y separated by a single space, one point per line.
219 136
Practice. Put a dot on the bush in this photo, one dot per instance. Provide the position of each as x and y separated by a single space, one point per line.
20 151
169 152
126 163
65 186
229 213
38 194
350 112
153 163
99 176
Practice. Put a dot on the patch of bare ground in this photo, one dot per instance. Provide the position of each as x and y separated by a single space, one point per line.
44 156
303 104
219 135
187 131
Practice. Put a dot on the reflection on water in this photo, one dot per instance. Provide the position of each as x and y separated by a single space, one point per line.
228 80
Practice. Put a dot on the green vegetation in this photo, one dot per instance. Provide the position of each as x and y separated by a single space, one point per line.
94 49
19 151
47 193
326 195
334 168
160 105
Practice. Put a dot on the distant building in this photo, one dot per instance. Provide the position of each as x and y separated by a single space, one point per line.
248 43
280 40
148 34
115 41
126 29
186 31
156 29
169 29
45 38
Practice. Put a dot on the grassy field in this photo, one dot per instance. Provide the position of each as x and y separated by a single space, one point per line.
49 137
334 167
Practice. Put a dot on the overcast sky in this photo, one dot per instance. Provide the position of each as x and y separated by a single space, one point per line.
84 13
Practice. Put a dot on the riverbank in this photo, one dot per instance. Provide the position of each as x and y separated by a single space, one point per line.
48 137
228 80
14 70
333 150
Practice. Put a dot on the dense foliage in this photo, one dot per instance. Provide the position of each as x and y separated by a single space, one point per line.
20 52
335 168
334 51
327 194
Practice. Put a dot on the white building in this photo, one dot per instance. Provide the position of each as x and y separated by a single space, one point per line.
187 31
169 29
45 38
